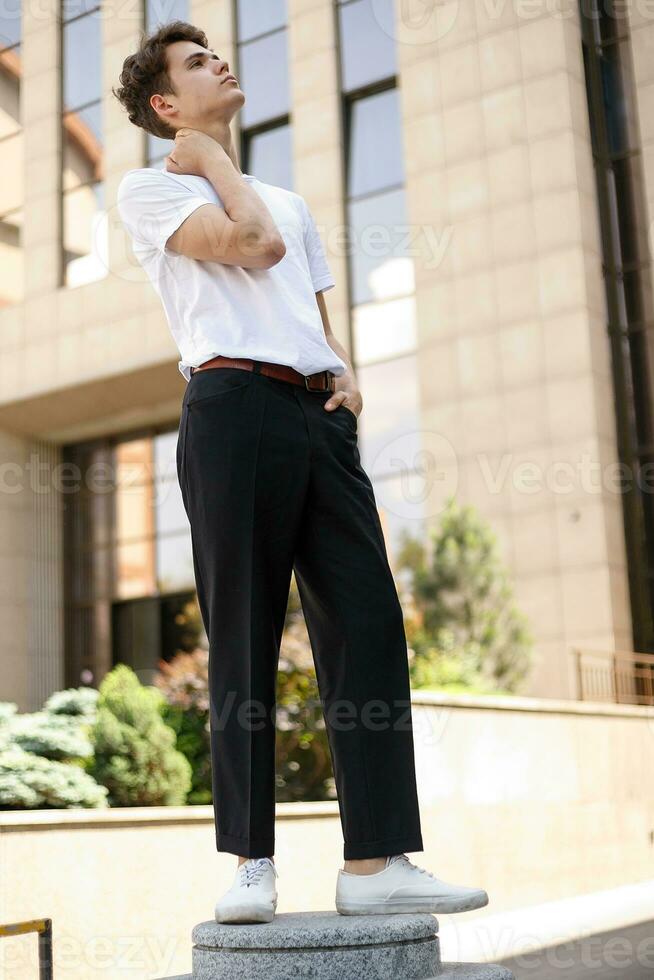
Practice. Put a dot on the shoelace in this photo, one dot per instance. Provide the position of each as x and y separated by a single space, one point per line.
403 857
250 873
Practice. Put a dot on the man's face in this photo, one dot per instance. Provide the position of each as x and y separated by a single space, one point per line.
206 89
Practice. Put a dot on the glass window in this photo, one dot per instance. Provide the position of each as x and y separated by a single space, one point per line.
266 148
158 12
127 539
375 144
82 66
10 26
378 240
164 459
175 563
85 239
171 516
263 76
11 256
157 149
75 8
82 146
401 504
256 17
379 244
615 68
367 33
390 420
12 190
384 330
84 233
269 156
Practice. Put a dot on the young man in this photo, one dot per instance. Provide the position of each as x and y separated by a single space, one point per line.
271 479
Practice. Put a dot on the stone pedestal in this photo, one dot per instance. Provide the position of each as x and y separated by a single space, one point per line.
324 945
329 946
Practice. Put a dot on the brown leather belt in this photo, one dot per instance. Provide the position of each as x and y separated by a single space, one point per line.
320 381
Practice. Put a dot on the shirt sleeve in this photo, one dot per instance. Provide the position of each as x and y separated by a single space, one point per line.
152 206
321 276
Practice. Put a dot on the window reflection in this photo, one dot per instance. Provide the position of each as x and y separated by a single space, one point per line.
391 410
401 505
263 76
174 563
269 156
378 242
391 444
256 17
367 35
382 271
156 13
375 144
127 538
383 330
157 150
84 232
12 191
82 67
262 54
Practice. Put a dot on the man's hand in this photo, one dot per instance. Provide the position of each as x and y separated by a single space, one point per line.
346 393
192 152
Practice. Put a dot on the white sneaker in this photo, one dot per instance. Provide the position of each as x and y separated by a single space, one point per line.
402 887
253 894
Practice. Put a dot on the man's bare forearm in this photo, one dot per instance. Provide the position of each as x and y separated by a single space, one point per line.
338 348
240 201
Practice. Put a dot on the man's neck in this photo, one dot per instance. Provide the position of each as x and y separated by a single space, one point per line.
221 132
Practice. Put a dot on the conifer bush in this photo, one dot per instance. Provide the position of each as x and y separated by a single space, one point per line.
134 749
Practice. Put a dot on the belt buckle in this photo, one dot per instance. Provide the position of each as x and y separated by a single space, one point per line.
328 387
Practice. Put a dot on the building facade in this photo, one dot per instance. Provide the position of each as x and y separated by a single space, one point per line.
482 176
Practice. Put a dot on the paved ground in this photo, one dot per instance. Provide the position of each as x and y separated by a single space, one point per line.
621 954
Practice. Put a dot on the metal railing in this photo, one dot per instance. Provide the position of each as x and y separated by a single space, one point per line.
619 676
44 929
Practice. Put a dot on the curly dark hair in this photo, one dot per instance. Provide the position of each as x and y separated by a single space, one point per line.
146 73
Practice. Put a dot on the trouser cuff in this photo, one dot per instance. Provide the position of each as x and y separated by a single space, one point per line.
382 848
246 847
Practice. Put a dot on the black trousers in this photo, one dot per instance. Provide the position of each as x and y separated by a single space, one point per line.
272 482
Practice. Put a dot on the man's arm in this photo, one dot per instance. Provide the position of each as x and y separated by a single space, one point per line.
346 387
242 233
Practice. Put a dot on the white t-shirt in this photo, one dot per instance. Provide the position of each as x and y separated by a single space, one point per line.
213 308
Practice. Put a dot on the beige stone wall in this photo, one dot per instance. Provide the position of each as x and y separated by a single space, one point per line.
514 359
535 803
317 151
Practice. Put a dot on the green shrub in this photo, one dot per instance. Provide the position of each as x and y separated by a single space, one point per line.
135 755
42 757
77 702
184 683
463 620
303 769
28 781
60 731
8 710
57 737
302 760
